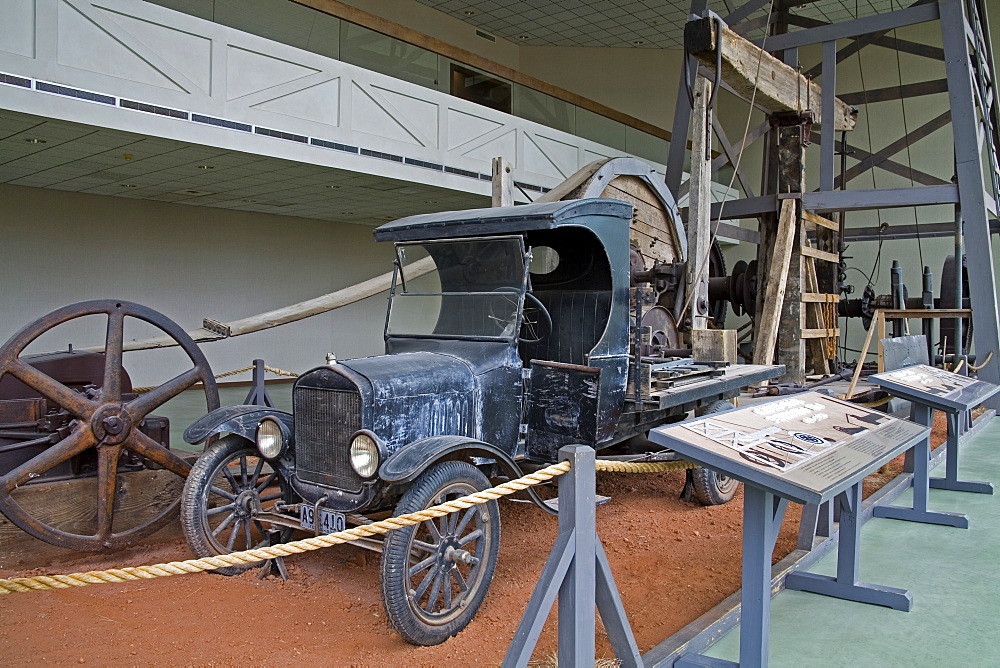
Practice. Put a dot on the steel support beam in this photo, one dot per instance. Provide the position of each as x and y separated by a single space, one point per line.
855 28
969 170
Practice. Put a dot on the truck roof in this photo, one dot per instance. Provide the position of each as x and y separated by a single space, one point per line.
501 220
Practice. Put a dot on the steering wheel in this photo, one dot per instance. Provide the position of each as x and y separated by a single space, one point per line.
536 323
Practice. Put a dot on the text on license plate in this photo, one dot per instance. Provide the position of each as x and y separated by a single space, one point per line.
329 521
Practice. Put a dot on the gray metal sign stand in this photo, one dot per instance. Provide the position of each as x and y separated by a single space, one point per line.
578 571
955 395
747 444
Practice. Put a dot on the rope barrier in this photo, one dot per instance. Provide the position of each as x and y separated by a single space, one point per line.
50 582
270 369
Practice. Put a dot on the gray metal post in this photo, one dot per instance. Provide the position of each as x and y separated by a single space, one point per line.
922 414
969 170
577 570
755 622
682 118
576 595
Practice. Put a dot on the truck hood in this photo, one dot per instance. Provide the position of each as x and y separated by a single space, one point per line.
417 395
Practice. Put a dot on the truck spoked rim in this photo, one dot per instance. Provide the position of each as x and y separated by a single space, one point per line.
239 488
445 559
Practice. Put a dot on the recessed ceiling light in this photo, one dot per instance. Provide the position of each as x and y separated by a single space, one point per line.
334 187
127 156
36 141
346 213
252 201
128 185
470 12
638 42
194 192
205 167
524 36
430 201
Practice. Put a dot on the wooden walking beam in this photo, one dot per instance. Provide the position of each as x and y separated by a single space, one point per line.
780 88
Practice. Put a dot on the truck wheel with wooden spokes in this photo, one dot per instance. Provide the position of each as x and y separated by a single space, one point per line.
103 420
435 574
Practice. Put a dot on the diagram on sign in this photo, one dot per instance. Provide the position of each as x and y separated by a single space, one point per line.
937 382
782 435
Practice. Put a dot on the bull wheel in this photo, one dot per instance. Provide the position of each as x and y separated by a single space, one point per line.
106 422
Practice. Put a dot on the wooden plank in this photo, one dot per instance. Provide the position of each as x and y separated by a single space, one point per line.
814 317
820 333
809 251
816 219
774 293
779 87
820 298
410 36
503 183
700 205
921 313
880 325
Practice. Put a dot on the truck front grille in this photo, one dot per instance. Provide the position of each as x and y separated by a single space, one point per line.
325 420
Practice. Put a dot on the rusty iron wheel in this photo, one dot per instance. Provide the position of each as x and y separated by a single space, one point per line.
106 422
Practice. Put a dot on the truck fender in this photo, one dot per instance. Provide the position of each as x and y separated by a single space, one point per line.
414 458
240 420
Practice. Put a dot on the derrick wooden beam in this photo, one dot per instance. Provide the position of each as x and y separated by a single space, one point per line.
780 88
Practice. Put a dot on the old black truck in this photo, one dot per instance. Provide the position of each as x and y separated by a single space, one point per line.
510 332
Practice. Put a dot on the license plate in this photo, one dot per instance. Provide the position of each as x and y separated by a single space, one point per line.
329 521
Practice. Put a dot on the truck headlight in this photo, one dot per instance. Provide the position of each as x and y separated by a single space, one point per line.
270 440
364 454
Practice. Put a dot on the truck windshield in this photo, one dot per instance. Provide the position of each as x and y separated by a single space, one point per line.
470 288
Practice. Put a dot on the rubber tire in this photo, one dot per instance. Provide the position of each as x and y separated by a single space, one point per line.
710 488
394 581
193 497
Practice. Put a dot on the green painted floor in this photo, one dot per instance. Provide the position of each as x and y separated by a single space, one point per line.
953 574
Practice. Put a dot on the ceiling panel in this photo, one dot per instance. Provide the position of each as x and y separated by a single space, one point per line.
646 24
45 153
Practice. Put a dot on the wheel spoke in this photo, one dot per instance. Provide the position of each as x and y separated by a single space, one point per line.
231 478
424 584
72 401
222 526
233 535
460 580
139 443
223 493
267 482
111 387
435 591
421 545
256 472
144 405
453 522
432 527
243 472
107 488
446 584
464 540
271 497
72 445
220 509
421 566
469 514
246 532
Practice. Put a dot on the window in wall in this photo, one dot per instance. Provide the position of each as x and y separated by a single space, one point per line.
645 145
474 86
387 55
545 109
600 129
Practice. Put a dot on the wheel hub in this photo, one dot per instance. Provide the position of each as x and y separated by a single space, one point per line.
246 503
111 424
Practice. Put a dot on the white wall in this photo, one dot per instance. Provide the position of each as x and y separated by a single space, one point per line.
188 263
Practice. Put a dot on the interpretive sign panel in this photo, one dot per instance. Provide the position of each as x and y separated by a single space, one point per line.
935 386
804 447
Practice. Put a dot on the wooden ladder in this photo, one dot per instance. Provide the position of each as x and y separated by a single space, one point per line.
819 313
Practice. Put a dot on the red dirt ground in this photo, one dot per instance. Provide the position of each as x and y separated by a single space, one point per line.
672 562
